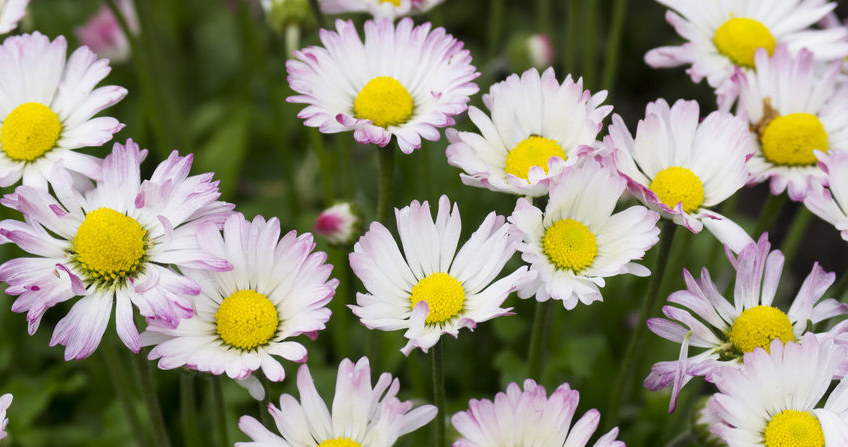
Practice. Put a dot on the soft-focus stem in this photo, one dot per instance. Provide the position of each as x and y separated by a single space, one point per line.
123 388
319 16
590 40
340 326
613 47
188 410
439 392
537 336
151 401
386 184
634 347
220 410
840 287
570 52
496 21
292 39
796 233
543 18
264 415
774 204
325 165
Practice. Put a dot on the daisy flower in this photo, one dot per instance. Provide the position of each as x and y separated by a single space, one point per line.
361 415
111 246
792 112
404 81
431 289
829 200
529 417
773 399
680 166
11 12
724 34
5 402
723 330
578 241
536 128
380 9
47 106
278 289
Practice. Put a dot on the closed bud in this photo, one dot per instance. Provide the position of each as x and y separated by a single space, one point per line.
340 224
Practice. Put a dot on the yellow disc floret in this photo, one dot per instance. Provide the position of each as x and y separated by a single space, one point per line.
790 140
29 131
678 185
339 442
384 101
394 2
739 38
443 293
758 326
792 428
109 245
533 151
246 319
570 245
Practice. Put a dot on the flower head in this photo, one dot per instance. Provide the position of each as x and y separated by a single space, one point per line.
347 86
431 289
11 12
362 415
112 246
380 9
102 32
340 224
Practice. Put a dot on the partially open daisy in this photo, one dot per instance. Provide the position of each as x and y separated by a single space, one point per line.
681 166
724 34
829 200
404 81
725 330
388 9
278 289
11 12
793 109
578 241
529 417
536 128
47 107
773 399
112 247
431 289
361 415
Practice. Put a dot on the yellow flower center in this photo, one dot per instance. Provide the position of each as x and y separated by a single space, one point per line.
533 151
109 245
758 326
246 319
443 293
384 101
678 185
29 131
739 38
792 428
570 245
394 2
789 140
341 442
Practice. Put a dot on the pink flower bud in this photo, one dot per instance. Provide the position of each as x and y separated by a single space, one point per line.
339 224
102 33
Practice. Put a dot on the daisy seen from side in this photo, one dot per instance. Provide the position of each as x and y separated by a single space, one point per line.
380 9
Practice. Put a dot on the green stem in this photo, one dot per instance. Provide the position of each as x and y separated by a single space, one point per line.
264 416
590 39
319 16
324 165
570 52
151 401
123 388
345 154
537 336
637 339
496 19
796 233
613 48
340 326
841 287
386 184
439 392
774 204
220 410
188 409
543 18
682 439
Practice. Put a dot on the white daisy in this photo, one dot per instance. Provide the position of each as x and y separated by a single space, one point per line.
681 166
536 129
111 246
724 34
829 200
388 9
792 111
529 417
11 12
725 330
278 289
47 106
431 289
773 399
578 241
361 415
5 402
404 81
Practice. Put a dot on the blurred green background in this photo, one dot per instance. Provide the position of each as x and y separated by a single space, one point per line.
216 87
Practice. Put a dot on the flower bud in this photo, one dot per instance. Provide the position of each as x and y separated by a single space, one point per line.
103 34
526 51
281 14
340 224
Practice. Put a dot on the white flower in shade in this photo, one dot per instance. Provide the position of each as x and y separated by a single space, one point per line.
723 330
578 241
528 417
11 12
360 416
404 81
681 166
536 129
793 110
829 200
389 9
102 32
340 224
773 399
112 247
278 289
47 106
431 289
5 402
724 34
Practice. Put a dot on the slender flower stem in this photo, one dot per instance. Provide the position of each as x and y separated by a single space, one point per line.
774 204
634 347
264 416
151 401
324 165
590 40
543 18
796 233
570 52
537 335
439 392
319 16
220 410
188 410
496 20
123 388
619 11
386 184
340 327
